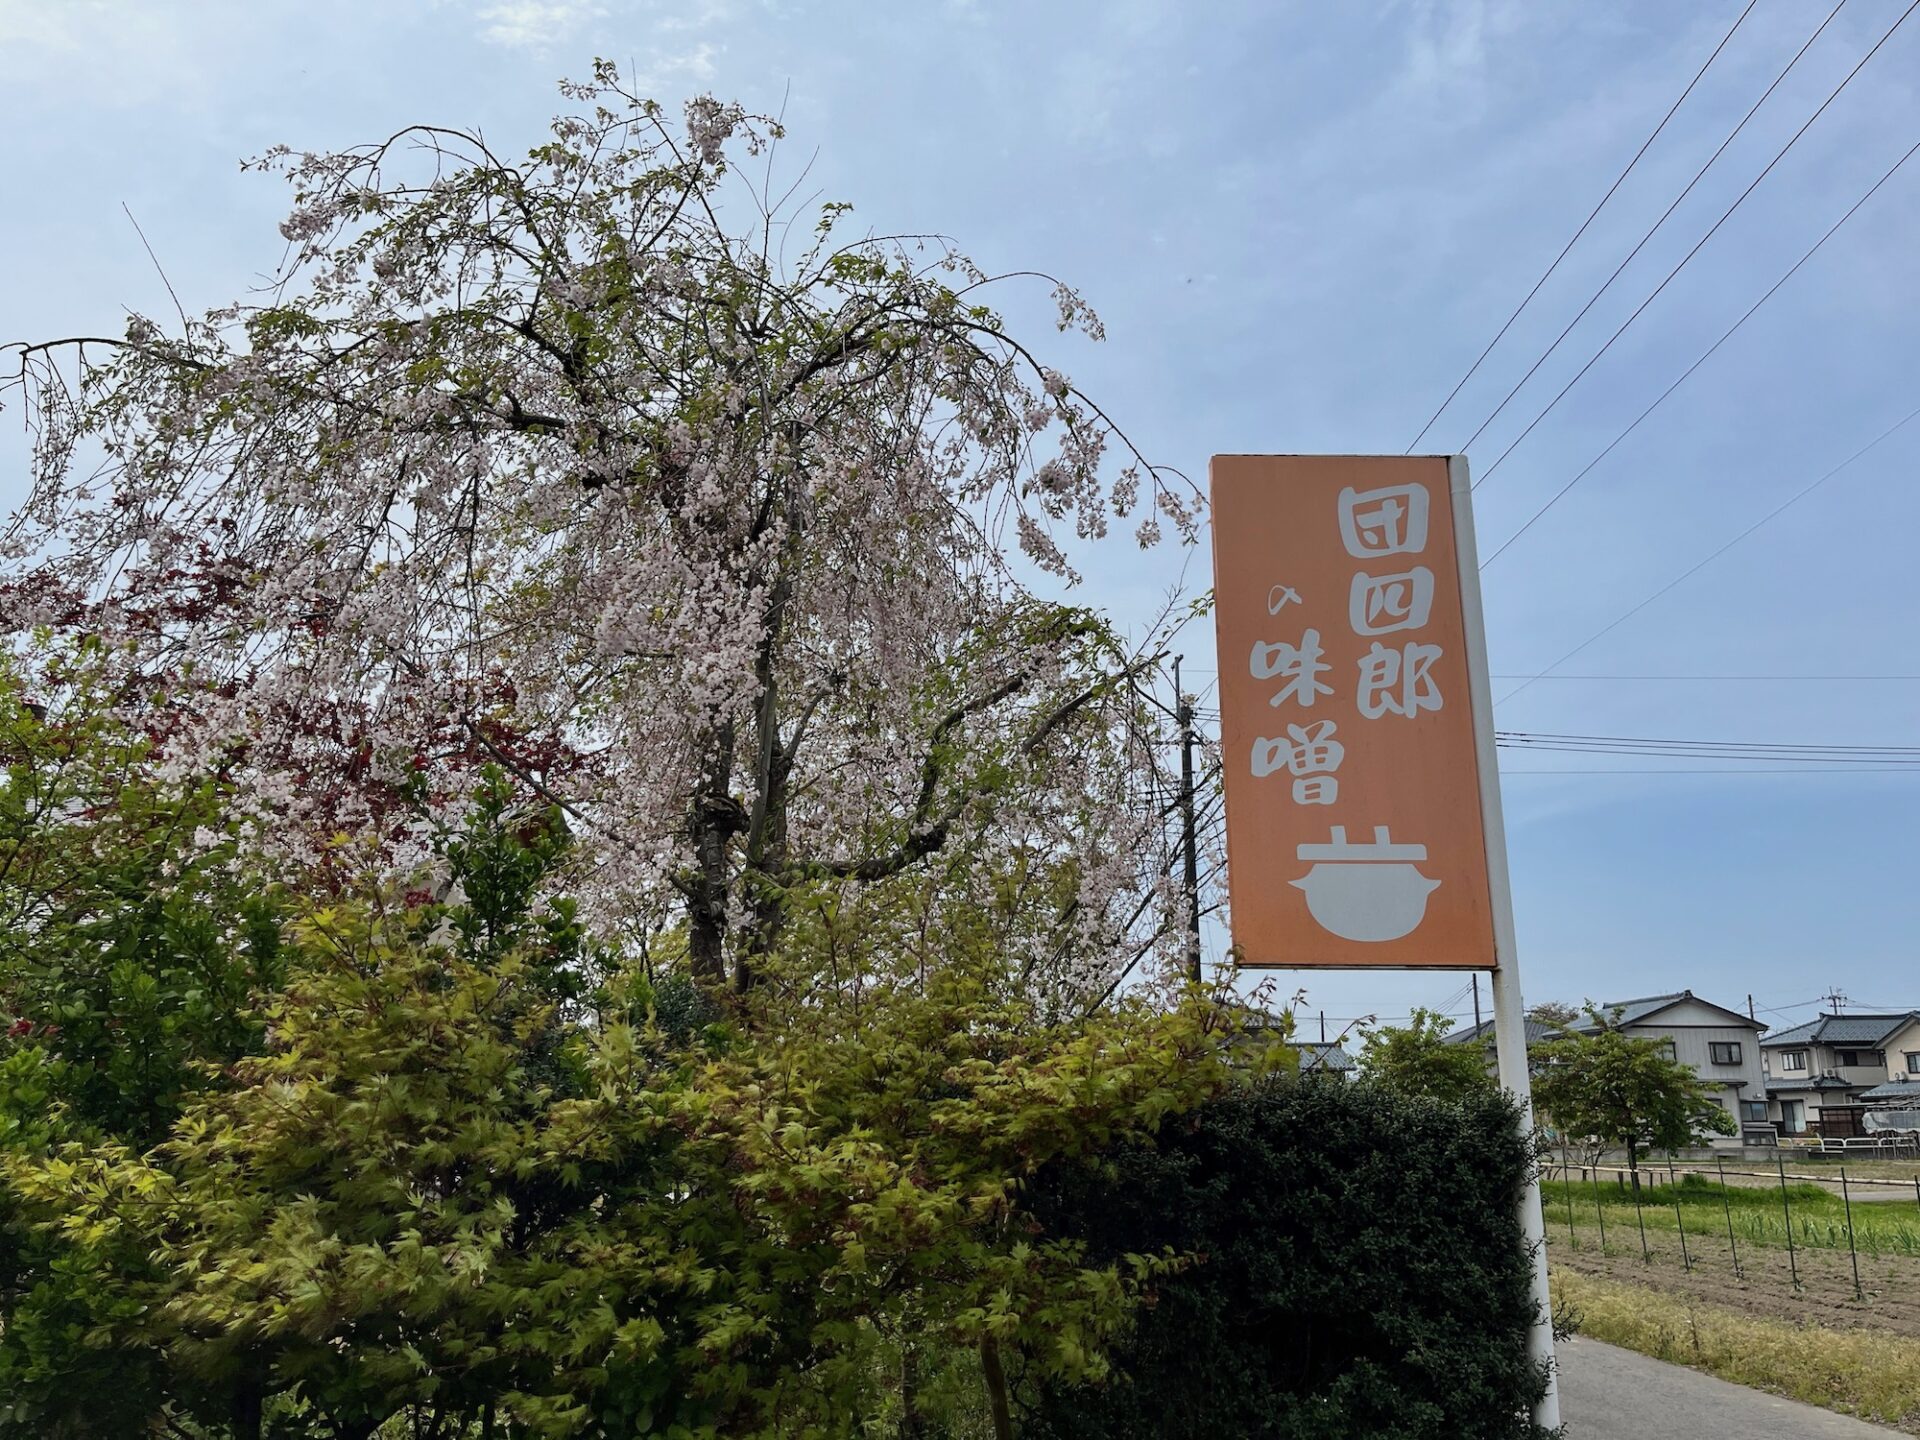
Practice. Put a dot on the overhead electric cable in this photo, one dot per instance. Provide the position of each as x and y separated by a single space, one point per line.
1700 565
1740 744
1715 678
1560 494
1698 244
1794 770
1591 215
1680 750
1653 229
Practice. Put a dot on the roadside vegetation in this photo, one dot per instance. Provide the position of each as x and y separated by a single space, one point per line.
1869 1374
568 872
1757 1214
1830 1166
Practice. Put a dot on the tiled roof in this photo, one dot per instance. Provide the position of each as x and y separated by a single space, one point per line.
1632 1012
1538 1033
1777 1083
1796 1035
1843 1030
1315 1055
1903 1090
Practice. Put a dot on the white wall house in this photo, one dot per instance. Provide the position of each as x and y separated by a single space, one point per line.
1836 1060
1720 1045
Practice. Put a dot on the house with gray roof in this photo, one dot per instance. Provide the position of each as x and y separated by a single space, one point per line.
1836 1059
1538 1033
1718 1044
1328 1055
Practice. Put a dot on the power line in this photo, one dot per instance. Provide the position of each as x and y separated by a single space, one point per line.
1698 244
1880 758
1524 736
1700 565
1767 678
1561 493
1591 215
1880 764
1794 770
1654 228
1796 1005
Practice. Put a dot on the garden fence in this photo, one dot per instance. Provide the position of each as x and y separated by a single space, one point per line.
1741 1217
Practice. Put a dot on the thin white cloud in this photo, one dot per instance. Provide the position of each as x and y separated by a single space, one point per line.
542 26
121 56
656 68
535 24
1451 51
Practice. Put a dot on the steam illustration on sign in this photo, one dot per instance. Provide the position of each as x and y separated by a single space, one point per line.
1365 892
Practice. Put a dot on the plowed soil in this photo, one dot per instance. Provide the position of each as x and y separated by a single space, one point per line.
1766 1284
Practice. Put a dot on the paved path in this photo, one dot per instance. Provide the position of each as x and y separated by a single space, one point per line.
1611 1394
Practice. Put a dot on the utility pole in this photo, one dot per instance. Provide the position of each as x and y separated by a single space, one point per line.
1184 715
1509 1010
1750 1015
1476 1003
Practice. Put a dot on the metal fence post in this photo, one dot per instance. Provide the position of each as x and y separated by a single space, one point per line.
1726 1200
1566 1179
1679 1220
1599 1210
1846 1198
1787 1205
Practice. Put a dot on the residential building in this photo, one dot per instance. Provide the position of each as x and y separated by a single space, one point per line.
1481 1033
1538 1033
1718 1044
1328 1055
1837 1059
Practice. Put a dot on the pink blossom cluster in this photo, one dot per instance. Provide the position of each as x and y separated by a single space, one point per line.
537 461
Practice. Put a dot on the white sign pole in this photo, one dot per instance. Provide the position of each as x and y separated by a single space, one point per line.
1509 1014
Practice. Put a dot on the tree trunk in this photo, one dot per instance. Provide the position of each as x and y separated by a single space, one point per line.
247 1414
716 817
1633 1164
913 1425
996 1390
766 825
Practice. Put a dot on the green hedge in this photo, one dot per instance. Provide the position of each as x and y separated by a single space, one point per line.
1362 1274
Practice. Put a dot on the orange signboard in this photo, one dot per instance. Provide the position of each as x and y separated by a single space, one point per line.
1356 831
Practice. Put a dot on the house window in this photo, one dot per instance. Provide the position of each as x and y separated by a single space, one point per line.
1793 1060
1848 1058
1667 1052
1724 1052
1913 1062
1754 1112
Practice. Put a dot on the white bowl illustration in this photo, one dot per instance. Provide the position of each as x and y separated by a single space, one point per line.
1365 892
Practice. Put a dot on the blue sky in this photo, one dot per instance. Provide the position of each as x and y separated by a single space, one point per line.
1300 222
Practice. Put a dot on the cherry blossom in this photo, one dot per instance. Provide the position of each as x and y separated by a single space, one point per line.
599 464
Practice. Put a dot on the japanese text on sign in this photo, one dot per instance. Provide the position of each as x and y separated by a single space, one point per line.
1344 714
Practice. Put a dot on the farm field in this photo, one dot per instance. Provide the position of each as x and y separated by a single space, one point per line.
1702 1275
1860 1371
1757 1215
